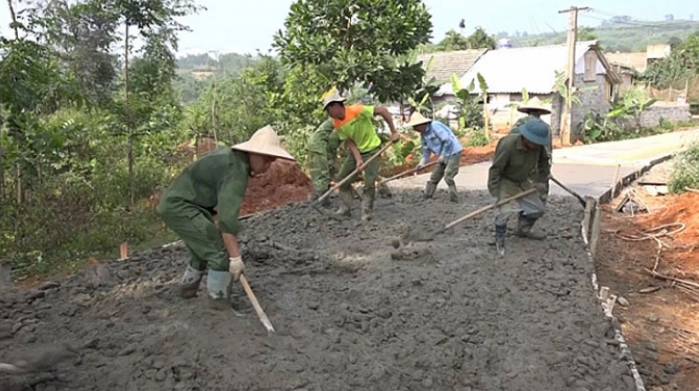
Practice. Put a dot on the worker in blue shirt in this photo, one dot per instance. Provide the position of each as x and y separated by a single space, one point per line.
438 138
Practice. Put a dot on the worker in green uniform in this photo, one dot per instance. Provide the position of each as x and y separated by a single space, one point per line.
218 180
354 126
512 172
322 154
534 109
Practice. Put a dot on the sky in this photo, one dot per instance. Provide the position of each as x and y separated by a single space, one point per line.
245 26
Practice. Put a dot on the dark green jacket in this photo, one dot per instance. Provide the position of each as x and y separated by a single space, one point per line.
217 179
514 165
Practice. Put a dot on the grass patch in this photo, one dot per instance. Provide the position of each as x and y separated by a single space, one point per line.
476 138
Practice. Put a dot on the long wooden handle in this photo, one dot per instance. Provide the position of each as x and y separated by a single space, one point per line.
564 187
406 172
353 173
487 208
260 313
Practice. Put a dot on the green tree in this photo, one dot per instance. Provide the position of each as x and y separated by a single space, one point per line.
481 40
453 41
358 41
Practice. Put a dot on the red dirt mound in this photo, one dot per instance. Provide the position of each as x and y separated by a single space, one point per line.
282 184
676 209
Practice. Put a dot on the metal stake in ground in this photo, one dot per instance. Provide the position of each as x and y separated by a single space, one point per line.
421 236
347 179
260 313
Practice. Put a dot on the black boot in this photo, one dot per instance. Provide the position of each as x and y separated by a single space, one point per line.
500 231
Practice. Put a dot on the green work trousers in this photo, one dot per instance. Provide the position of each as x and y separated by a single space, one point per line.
322 155
370 173
531 206
197 229
447 171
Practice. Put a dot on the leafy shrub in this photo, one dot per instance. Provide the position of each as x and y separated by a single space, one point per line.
686 170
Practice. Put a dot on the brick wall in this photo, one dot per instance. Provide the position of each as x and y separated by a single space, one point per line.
594 99
669 111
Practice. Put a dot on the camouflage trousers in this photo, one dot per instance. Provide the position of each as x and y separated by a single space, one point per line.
370 174
322 158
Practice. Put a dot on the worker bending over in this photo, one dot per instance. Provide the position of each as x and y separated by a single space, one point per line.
187 207
512 172
322 154
534 110
355 127
438 139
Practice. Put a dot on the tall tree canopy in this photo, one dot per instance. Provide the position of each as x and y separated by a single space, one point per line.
351 41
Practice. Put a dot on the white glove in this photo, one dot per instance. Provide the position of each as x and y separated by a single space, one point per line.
236 267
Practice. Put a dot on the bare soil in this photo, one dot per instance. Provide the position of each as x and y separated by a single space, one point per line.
351 313
659 321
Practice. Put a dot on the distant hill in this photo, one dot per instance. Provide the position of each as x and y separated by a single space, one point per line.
623 37
203 64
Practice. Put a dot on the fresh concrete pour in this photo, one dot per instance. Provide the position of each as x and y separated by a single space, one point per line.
350 313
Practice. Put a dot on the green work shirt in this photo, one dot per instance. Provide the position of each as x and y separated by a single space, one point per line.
515 163
318 142
217 179
358 127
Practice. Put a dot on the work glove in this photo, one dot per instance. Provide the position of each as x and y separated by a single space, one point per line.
441 159
236 267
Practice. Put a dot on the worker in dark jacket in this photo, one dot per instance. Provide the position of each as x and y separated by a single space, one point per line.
520 163
217 180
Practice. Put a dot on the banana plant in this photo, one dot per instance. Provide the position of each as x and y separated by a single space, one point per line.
484 90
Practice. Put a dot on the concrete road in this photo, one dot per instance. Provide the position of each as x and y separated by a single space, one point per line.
589 170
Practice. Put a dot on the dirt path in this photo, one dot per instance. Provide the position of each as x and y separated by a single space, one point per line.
350 312
658 317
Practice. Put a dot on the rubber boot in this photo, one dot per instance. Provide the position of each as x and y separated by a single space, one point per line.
218 285
367 208
524 228
189 285
345 203
452 194
430 188
500 231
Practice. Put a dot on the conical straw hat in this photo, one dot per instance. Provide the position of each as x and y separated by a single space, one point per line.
265 142
534 104
417 119
332 97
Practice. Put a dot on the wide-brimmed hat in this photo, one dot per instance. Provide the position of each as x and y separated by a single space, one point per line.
332 97
417 119
265 142
536 131
534 104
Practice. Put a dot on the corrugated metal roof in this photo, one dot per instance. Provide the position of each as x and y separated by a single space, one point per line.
447 63
510 70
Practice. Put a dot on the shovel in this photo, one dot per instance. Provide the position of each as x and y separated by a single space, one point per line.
406 172
420 236
574 194
346 179
260 313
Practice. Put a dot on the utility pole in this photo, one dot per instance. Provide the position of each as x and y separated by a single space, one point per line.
567 117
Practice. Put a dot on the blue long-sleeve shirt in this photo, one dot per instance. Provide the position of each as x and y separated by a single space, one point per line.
440 140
